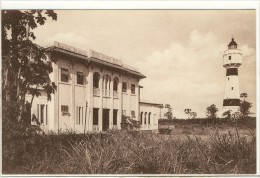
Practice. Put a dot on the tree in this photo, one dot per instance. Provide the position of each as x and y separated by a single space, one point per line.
212 111
245 108
193 115
243 95
26 67
187 111
168 114
161 106
227 114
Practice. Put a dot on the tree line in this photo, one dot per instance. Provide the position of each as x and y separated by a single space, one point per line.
211 111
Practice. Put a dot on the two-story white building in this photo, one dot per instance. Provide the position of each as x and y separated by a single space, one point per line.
93 91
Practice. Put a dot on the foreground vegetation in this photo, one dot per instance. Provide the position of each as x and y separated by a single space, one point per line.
129 152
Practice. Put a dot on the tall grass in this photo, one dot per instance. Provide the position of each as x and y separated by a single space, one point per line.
122 152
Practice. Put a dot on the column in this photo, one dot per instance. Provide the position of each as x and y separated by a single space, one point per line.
128 112
111 112
120 97
52 111
137 101
56 98
90 101
100 114
72 112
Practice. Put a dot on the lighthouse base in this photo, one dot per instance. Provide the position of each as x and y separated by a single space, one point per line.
234 110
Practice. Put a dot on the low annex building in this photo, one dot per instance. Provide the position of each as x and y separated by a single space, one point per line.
150 113
93 92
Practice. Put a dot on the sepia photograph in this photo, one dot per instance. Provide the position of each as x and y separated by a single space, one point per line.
130 92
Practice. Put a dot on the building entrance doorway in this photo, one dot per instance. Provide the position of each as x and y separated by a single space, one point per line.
105 120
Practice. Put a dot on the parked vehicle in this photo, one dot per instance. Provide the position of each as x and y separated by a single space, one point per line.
165 129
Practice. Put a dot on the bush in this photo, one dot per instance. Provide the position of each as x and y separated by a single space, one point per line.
129 123
123 152
245 123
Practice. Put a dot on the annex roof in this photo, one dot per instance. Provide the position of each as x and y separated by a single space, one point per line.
143 101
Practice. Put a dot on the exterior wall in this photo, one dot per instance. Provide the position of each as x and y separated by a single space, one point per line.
232 87
48 111
236 57
82 99
154 109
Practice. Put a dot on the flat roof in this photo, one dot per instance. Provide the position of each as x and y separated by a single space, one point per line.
150 102
93 56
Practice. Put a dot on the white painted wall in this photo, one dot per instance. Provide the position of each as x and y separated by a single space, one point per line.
73 95
155 114
232 82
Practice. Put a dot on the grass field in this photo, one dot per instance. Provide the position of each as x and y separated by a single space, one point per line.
187 150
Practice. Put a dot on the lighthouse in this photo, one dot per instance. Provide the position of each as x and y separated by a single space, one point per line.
232 59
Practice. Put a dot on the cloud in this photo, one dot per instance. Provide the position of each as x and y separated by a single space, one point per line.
70 38
189 74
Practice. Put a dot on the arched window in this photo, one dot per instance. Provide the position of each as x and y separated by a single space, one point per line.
96 78
141 118
116 81
106 82
149 118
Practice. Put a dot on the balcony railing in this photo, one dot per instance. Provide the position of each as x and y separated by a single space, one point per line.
96 91
106 93
116 95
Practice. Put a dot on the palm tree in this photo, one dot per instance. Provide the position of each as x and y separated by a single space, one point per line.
243 95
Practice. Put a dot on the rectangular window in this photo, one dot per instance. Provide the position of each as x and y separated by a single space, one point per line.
229 57
82 115
46 116
80 78
64 109
232 88
79 115
133 88
124 87
115 117
133 113
42 114
38 112
95 116
64 75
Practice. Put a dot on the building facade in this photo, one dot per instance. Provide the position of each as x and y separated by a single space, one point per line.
150 113
232 59
93 92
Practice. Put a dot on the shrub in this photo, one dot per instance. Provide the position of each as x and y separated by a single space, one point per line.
129 123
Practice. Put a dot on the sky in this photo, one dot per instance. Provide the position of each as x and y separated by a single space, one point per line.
179 51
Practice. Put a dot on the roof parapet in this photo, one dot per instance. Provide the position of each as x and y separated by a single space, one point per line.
70 48
91 53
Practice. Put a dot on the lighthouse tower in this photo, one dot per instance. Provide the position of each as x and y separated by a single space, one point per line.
232 60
